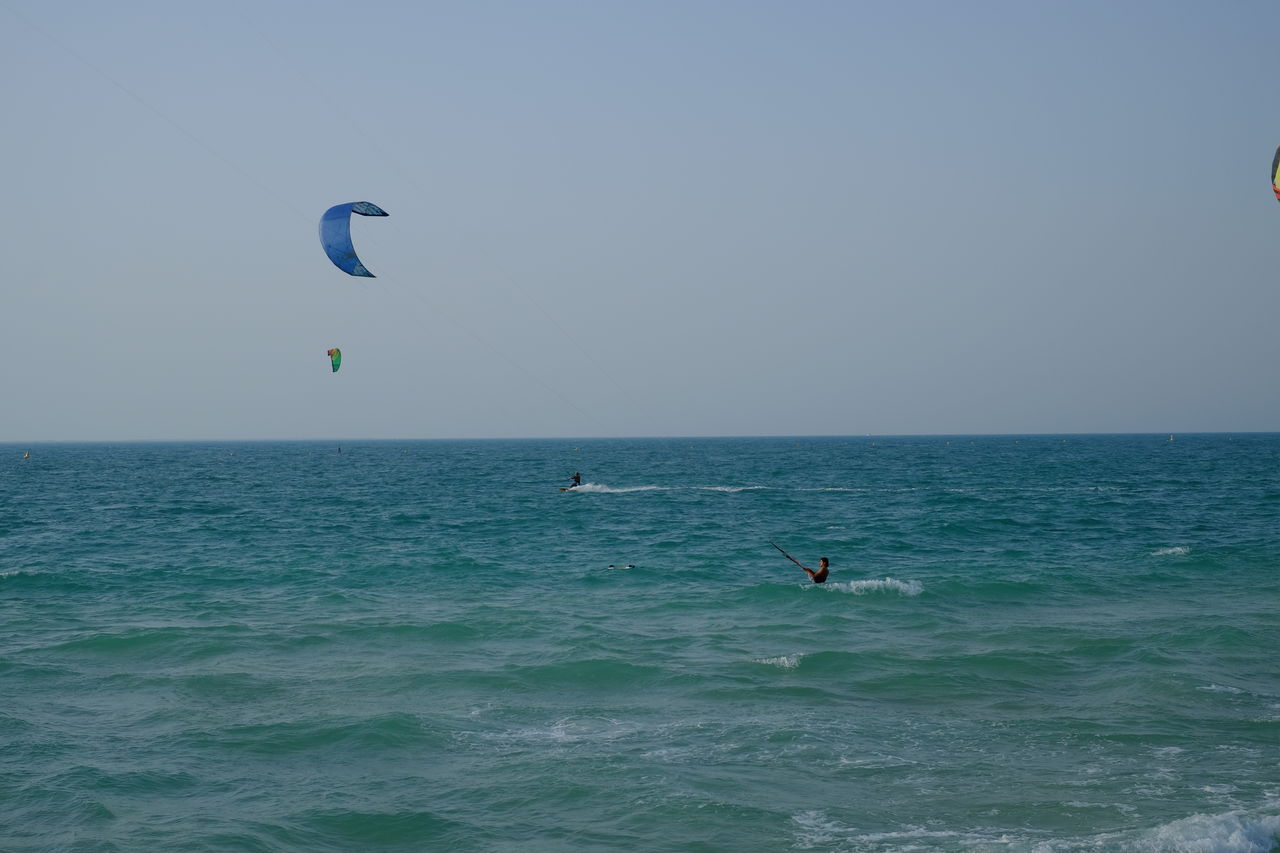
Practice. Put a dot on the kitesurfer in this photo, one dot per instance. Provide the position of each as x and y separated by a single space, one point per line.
820 576
577 480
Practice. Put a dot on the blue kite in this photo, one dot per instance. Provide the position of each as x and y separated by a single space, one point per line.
335 235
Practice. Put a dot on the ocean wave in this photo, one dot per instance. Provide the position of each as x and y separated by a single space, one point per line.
907 588
573 729
814 830
160 642
587 673
1218 688
394 730
1232 832
19 573
783 661
125 780
842 489
1176 551
393 829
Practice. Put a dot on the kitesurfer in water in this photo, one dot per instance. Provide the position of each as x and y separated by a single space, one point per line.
577 480
820 576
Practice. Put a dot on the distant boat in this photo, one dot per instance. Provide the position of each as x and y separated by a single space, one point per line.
1171 438
26 454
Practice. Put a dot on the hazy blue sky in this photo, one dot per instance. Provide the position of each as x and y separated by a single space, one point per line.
643 218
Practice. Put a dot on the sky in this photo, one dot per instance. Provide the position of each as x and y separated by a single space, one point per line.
692 218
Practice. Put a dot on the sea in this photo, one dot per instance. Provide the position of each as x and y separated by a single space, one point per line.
1027 643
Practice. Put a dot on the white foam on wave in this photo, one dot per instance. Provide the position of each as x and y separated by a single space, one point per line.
568 730
601 489
783 661
831 489
908 588
1219 688
1123 808
1176 551
815 830
1232 832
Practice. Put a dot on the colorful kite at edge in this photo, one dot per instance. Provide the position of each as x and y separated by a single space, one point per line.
335 235
1275 174
335 358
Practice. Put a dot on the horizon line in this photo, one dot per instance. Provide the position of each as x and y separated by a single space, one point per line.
766 436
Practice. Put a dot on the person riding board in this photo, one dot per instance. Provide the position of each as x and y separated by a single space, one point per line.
820 576
577 480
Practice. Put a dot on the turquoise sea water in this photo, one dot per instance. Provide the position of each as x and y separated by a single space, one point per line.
1027 644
